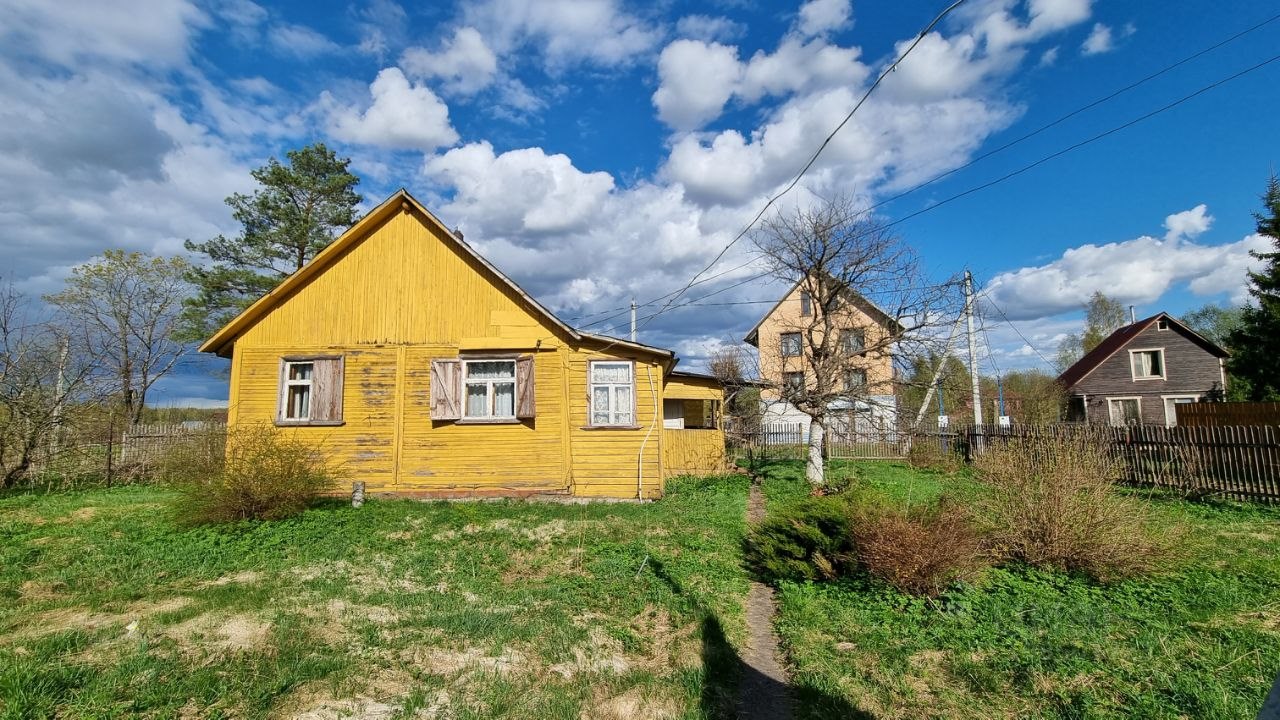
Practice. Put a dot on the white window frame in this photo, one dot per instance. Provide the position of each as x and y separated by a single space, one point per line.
1171 419
1111 416
613 386
1164 369
850 387
290 383
853 332
1162 325
490 394
782 344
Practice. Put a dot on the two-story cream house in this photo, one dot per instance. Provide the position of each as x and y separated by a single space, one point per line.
863 365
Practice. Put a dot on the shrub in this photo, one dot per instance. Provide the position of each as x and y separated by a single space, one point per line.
921 550
807 541
262 473
926 453
1053 503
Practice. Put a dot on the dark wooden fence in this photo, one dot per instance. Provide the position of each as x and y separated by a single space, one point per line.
1228 413
1237 462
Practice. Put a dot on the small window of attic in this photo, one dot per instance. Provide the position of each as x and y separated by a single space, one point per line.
1162 324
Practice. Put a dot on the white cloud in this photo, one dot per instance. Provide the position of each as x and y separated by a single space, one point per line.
1099 41
1138 271
822 16
157 32
1188 224
402 115
709 28
520 191
566 32
381 24
1049 57
300 41
697 79
465 63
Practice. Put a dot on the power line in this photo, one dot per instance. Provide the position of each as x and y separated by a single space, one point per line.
987 294
697 281
1068 116
814 158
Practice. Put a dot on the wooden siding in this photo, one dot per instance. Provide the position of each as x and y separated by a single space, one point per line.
693 452
1189 370
399 298
681 388
606 461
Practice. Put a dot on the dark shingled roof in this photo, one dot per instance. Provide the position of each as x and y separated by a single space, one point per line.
1120 338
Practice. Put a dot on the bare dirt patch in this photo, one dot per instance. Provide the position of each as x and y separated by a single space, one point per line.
600 653
244 577
632 705
84 514
539 565
79 618
380 698
377 574
38 590
448 663
220 633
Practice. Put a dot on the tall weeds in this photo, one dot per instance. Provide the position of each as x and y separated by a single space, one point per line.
1053 502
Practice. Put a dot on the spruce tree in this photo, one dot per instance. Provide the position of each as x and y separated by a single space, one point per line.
1255 345
298 209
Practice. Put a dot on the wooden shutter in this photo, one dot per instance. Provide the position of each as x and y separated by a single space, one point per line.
525 387
326 390
446 389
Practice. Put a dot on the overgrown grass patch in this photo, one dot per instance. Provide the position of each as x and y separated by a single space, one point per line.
1202 640
493 609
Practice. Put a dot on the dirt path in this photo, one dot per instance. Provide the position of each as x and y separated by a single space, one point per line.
763 694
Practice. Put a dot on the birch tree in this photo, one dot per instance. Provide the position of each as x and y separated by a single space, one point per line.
854 275
124 308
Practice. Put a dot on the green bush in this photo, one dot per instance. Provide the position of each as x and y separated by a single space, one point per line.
921 550
810 540
262 473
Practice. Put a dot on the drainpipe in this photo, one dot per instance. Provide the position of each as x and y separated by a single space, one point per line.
648 371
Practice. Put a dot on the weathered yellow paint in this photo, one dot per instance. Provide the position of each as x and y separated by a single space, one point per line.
403 292
686 388
693 452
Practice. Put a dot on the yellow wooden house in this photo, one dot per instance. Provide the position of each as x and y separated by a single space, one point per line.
423 370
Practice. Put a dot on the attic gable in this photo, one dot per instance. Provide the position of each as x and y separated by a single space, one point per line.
377 222
863 305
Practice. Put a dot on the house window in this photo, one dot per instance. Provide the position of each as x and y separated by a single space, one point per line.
490 387
1147 364
1162 325
855 380
853 342
791 344
612 393
1171 403
806 304
310 391
298 377
793 381
1125 411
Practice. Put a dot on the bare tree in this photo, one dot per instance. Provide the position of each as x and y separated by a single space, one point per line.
862 298
124 308
44 376
730 365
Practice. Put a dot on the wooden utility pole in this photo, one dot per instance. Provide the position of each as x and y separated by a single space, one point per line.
973 348
633 319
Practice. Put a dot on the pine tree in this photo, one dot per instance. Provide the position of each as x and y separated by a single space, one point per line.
1256 343
299 208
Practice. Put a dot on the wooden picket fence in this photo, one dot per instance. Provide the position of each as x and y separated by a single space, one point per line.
1236 462
1228 413
147 444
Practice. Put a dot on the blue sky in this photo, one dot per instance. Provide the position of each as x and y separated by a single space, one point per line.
561 135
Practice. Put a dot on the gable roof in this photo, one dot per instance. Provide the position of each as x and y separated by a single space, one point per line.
862 303
1117 340
220 342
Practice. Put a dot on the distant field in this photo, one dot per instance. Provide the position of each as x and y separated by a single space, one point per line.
401 608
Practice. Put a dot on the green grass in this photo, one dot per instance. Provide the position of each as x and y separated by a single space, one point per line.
469 610
1200 642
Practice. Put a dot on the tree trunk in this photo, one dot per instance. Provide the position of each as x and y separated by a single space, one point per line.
814 469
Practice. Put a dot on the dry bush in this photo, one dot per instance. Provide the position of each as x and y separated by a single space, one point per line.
262 473
1053 503
926 453
922 550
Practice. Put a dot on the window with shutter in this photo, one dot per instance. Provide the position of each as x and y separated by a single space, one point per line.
525 404
310 391
446 389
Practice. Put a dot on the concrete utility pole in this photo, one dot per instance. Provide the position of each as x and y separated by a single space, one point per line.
973 347
633 319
